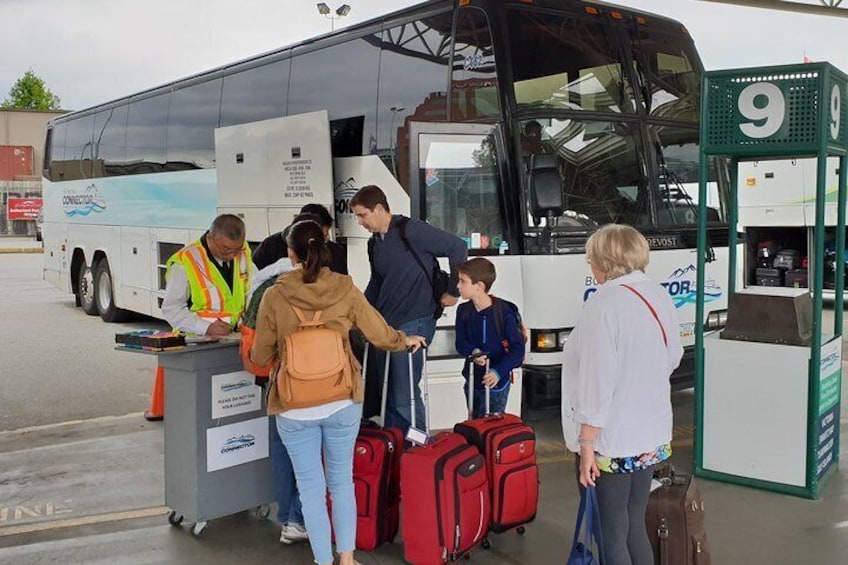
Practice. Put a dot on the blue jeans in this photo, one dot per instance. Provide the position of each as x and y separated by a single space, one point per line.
497 401
398 412
285 487
305 440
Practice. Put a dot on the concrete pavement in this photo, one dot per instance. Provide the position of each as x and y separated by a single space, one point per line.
92 492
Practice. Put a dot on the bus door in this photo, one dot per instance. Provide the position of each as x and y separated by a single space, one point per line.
456 173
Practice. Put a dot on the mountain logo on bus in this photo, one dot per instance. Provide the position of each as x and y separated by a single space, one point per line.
342 193
682 286
89 201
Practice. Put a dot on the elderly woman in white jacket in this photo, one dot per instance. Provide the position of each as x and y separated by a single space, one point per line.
616 396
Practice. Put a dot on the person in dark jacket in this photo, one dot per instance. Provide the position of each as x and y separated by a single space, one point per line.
273 248
489 329
402 289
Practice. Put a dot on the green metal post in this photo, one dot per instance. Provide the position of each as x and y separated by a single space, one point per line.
839 264
700 277
817 288
732 222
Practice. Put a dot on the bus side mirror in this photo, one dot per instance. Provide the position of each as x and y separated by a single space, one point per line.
545 185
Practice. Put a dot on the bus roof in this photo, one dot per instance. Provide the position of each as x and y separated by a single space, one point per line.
428 7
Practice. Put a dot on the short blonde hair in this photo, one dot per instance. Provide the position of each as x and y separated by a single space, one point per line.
617 249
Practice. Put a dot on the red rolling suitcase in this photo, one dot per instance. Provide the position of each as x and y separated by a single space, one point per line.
446 507
376 479
509 448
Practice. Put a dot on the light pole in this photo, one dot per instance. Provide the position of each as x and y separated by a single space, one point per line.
394 110
341 12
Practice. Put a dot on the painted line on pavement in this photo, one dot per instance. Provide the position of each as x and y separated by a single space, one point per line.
98 420
84 521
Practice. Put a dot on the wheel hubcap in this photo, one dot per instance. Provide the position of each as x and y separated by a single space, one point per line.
104 290
87 286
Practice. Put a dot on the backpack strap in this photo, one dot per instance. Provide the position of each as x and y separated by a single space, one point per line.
315 321
497 308
651 308
371 252
401 226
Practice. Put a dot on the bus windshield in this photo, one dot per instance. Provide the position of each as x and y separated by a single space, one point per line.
568 63
669 72
583 173
596 165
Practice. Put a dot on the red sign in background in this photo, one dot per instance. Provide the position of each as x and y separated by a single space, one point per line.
23 208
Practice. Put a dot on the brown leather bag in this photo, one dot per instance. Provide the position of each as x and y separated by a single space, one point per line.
675 520
317 368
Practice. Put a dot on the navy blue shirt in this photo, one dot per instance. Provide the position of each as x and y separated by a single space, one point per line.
399 289
478 330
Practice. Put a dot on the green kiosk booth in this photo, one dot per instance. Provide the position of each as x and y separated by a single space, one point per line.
768 385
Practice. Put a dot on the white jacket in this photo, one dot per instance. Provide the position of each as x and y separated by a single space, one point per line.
616 368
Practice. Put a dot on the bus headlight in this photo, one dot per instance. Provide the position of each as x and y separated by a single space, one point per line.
716 320
547 341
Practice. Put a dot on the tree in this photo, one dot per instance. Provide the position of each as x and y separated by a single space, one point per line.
30 93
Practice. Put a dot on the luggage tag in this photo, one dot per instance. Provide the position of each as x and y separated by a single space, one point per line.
416 436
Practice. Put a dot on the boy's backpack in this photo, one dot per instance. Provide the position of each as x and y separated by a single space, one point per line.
248 330
316 368
498 305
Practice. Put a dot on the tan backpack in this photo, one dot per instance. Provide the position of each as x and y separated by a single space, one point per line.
317 368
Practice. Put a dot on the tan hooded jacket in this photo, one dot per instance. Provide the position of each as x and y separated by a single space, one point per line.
342 306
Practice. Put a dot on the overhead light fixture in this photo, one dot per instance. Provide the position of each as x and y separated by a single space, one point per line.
343 10
323 9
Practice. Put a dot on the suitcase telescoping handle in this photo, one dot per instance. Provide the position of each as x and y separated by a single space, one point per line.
384 395
471 387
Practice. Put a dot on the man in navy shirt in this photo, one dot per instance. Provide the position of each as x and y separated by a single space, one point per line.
401 288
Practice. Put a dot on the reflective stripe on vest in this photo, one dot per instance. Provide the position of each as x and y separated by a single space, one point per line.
211 297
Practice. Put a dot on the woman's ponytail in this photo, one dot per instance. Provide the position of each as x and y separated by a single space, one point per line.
306 238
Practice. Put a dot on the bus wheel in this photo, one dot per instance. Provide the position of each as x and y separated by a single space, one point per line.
104 294
85 290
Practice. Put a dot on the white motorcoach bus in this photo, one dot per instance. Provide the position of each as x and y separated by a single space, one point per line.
518 126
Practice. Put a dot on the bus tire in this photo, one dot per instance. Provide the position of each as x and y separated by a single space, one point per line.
85 290
104 294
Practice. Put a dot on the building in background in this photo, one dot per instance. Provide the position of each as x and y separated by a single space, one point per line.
21 159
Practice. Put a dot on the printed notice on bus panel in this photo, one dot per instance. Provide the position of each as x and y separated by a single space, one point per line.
830 377
297 175
235 444
234 393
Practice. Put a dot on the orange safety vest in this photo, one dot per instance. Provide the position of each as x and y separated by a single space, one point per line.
211 297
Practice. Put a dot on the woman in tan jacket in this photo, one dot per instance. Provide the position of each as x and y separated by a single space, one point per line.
330 427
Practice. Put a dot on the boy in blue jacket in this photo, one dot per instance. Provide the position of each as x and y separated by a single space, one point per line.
489 329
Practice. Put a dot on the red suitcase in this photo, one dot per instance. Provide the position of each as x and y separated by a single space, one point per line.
446 507
509 448
376 480
376 477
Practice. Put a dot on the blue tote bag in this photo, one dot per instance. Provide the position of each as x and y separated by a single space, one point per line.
588 524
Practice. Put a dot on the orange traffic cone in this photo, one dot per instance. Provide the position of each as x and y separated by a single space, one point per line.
157 397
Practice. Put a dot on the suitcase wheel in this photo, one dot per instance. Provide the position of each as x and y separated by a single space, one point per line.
521 531
486 544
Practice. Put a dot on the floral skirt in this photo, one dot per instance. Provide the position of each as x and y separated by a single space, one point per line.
635 463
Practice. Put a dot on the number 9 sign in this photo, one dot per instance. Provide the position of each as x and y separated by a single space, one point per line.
835 111
766 118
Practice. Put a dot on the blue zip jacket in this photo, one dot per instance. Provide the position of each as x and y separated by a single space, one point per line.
478 330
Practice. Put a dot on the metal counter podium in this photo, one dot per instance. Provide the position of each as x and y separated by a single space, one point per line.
216 436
